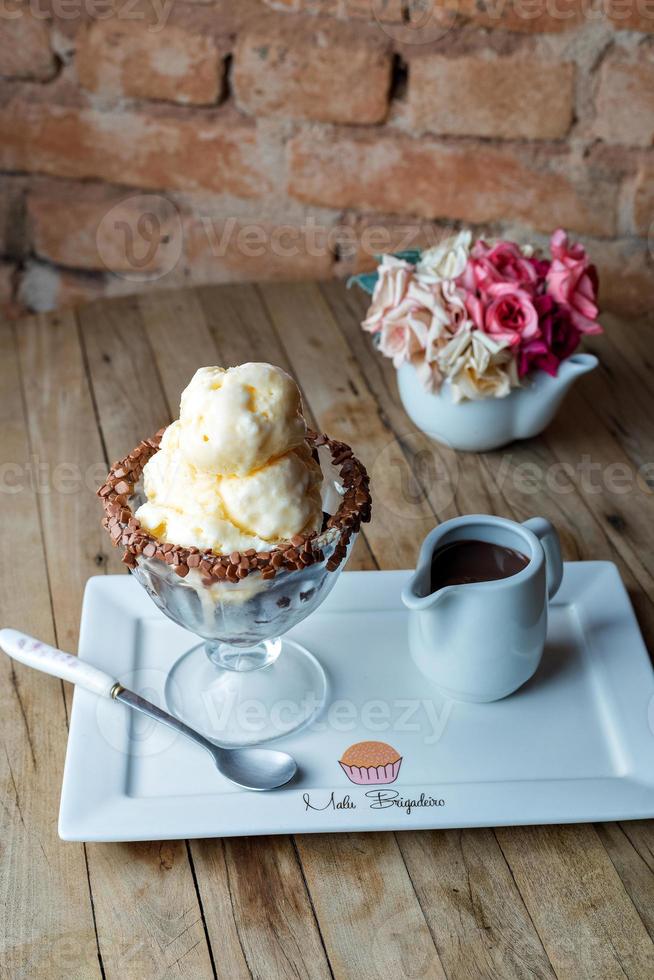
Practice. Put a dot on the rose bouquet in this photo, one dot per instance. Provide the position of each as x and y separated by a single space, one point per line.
482 316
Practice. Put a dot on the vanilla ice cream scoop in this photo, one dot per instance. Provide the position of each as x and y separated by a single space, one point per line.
278 500
235 421
234 472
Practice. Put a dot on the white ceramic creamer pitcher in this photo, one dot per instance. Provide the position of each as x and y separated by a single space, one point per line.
481 641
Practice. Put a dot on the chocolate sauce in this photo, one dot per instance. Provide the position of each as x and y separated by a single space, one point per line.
465 562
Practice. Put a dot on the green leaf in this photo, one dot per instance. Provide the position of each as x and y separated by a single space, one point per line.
411 255
366 281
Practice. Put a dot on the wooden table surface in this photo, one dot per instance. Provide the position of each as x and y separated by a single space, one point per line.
78 391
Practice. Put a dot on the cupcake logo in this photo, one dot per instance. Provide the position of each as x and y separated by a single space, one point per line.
371 763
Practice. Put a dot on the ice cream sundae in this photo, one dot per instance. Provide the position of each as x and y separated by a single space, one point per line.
234 519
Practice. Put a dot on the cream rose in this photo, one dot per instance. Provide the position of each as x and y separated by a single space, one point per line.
393 278
445 261
477 366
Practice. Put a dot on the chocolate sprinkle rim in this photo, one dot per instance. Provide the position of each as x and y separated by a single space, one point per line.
302 550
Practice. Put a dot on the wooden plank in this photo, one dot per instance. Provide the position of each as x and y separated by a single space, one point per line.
174 323
248 928
473 906
367 908
126 389
48 927
65 440
587 922
255 885
136 915
620 389
630 846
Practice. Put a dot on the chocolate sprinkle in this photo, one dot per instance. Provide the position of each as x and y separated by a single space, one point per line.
301 550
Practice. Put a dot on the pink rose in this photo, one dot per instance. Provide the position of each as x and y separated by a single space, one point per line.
572 282
511 316
559 338
394 276
403 333
500 263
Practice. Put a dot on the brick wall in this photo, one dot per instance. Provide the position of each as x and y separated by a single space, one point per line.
167 142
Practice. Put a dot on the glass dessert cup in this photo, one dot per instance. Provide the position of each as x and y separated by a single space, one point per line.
245 683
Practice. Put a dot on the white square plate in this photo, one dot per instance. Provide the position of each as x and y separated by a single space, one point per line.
574 744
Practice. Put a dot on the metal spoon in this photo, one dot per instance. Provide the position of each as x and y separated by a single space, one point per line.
252 768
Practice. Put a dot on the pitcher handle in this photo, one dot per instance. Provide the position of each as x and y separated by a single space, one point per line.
549 539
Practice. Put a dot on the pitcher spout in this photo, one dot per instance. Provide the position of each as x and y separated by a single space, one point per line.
538 404
574 366
413 599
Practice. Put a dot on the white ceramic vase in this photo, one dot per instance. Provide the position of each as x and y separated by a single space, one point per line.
489 423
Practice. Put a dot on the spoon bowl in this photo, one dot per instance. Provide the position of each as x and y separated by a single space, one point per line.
257 769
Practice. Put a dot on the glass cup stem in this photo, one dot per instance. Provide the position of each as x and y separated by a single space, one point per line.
242 659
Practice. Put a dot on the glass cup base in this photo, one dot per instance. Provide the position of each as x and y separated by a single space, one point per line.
246 706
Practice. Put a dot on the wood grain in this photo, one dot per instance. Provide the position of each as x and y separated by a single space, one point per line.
571 902
48 928
592 929
473 906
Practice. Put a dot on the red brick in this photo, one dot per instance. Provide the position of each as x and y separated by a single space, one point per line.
43 288
309 68
520 16
624 103
512 97
644 202
631 15
131 58
94 227
193 150
25 50
231 250
431 179
626 276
